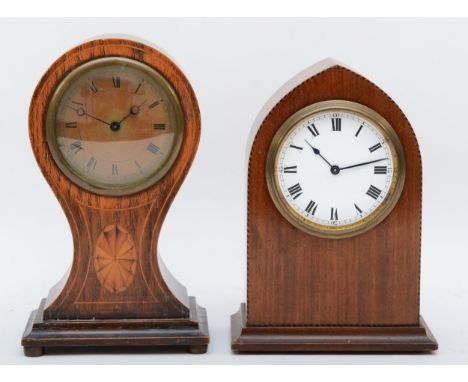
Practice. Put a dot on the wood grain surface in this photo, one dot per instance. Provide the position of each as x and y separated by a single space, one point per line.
414 338
296 279
148 293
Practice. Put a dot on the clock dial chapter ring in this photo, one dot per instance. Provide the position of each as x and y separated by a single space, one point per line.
284 194
131 134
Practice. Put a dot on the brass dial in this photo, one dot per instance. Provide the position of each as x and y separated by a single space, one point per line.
114 126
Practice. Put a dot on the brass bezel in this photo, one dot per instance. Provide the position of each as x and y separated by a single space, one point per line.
104 188
370 221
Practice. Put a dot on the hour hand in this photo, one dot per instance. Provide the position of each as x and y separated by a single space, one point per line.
134 110
317 152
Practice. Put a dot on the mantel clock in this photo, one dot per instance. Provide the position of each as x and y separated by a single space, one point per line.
334 222
114 126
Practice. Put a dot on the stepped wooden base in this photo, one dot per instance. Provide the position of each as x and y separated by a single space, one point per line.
191 334
329 338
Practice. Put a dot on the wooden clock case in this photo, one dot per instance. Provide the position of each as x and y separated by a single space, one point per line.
306 293
154 310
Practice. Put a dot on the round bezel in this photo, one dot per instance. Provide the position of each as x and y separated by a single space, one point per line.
369 221
102 188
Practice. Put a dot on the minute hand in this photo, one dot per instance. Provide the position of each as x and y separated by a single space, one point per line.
363 164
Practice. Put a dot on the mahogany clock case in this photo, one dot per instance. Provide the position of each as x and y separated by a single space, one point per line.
154 309
307 293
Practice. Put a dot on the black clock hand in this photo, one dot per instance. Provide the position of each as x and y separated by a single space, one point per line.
97 119
134 110
362 164
317 152
80 111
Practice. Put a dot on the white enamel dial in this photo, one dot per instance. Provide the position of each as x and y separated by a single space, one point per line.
335 170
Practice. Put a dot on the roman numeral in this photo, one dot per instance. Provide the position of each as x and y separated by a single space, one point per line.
358 131
154 104
76 146
380 169
138 87
139 166
373 192
115 169
290 170
71 125
91 165
311 207
159 126
152 148
334 214
295 191
296 147
313 130
336 124
357 208
116 81
375 147
92 86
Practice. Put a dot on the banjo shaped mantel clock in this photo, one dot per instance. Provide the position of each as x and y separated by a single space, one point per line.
334 221
114 126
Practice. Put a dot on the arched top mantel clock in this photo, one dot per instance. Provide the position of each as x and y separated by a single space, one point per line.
334 221
114 125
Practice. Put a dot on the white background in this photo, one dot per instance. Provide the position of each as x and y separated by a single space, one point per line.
234 66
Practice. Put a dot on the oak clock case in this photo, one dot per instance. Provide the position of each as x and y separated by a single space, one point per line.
114 125
334 222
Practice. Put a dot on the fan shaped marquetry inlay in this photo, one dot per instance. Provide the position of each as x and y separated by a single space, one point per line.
115 258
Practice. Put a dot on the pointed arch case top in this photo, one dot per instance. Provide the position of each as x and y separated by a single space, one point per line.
297 279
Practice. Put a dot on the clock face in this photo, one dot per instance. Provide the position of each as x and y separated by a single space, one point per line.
335 169
114 126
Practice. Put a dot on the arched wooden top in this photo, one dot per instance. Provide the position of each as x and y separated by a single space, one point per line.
294 278
170 183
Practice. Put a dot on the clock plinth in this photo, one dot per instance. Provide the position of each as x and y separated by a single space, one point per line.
59 335
315 283
115 184
245 338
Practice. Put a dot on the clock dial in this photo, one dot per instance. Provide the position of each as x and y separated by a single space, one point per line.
335 169
114 126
